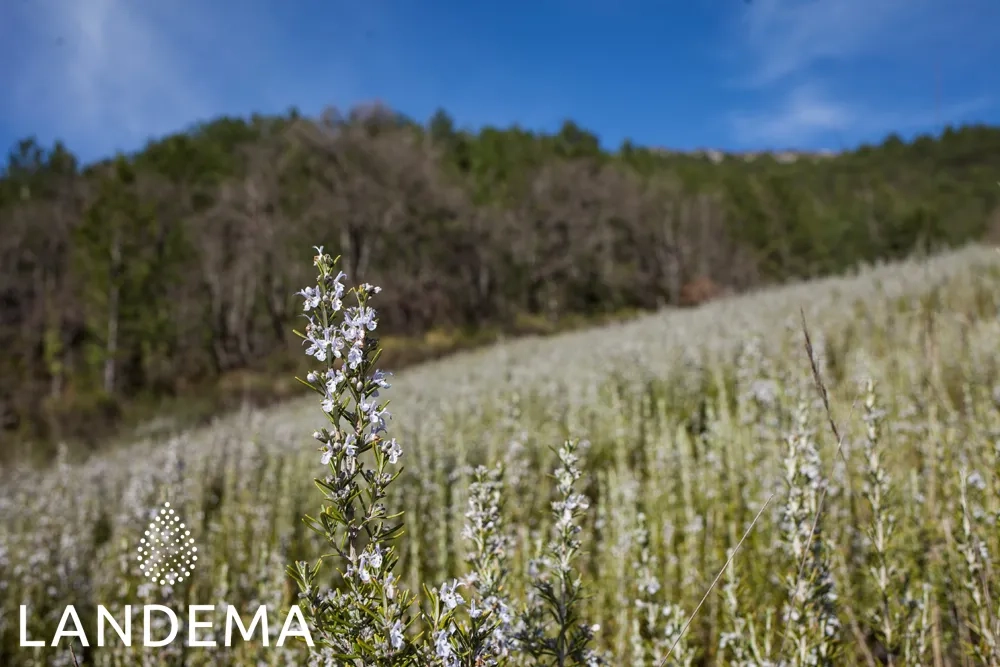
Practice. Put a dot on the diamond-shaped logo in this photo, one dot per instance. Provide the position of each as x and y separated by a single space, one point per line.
167 554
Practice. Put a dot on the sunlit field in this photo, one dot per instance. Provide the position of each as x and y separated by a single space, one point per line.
876 544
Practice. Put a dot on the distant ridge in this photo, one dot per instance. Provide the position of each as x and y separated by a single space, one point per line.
785 157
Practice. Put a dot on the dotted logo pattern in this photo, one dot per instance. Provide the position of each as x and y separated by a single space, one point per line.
167 554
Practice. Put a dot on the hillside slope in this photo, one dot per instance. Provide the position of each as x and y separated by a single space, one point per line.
161 275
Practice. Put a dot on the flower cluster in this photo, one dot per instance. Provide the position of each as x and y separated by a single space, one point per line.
558 589
490 621
810 616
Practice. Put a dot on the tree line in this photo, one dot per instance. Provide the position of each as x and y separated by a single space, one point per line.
146 275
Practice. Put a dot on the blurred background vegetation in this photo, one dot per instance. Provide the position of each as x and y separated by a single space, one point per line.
162 283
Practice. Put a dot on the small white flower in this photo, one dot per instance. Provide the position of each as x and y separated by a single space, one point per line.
442 645
362 318
379 379
390 585
392 450
311 297
327 455
449 597
369 560
354 357
316 349
396 635
336 344
376 557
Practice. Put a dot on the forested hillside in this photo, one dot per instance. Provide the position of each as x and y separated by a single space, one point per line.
153 276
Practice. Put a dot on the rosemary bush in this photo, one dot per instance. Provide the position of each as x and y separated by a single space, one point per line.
367 619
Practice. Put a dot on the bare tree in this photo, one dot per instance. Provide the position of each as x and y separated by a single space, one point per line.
241 258
377 186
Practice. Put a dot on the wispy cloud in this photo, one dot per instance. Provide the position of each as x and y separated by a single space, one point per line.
791 55
104 63
804 113
783 38
807 113
128 69
104 73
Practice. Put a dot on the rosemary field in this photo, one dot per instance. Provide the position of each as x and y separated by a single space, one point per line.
604 476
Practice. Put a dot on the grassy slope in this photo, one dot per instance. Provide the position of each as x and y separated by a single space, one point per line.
639 392
145 417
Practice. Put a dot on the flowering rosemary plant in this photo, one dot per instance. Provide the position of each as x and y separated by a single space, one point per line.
370 619
365 620
550 628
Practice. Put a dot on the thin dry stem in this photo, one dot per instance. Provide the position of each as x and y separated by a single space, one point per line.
716 581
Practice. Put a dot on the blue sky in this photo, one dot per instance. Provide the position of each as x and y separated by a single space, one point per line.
105 75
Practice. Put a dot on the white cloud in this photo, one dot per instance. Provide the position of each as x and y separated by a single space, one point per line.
778 39
90 70
804 113
111 66
109 74
783 38
807 113
796 51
